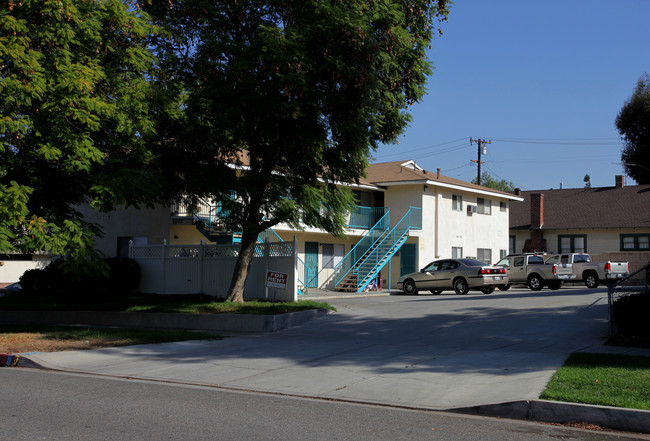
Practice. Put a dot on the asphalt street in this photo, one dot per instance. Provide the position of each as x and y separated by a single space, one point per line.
47 405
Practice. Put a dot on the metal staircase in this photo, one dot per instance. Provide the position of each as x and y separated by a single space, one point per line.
208 219
383 246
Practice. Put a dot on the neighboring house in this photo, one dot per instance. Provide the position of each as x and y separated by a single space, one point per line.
406 218
608 222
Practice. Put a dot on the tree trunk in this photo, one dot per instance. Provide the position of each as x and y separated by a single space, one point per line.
242 267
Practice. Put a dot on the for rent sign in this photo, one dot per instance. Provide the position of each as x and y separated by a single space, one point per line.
275 279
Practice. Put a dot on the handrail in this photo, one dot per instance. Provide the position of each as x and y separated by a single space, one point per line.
367 241
365 217
409 221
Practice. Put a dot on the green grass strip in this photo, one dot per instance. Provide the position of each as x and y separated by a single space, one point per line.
125 336
188 304
602 379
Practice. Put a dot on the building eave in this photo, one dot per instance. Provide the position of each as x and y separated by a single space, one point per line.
485 192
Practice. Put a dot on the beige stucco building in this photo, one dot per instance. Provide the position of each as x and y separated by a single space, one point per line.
417 215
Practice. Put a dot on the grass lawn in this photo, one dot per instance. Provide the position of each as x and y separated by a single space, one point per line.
188 304
36 338
602 379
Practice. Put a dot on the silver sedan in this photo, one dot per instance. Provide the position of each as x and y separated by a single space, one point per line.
461 275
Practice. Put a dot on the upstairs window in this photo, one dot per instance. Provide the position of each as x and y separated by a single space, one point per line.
457 202
483 206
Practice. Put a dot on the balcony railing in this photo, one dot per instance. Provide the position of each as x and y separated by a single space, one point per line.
367 217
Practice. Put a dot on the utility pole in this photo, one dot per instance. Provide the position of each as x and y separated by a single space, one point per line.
481 148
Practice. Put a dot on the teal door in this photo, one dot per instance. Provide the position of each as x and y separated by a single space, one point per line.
407 259
311 264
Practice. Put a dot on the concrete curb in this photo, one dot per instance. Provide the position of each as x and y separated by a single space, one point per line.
206 322
629 420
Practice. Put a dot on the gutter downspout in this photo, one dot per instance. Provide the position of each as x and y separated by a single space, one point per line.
436 220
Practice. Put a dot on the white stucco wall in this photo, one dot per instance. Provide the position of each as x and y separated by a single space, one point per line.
12 270
444 228
471 231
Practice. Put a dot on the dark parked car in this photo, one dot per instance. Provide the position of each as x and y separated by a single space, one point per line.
461 275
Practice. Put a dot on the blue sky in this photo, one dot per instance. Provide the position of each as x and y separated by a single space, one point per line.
543 80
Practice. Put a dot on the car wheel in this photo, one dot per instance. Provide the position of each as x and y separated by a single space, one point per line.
535 282
555 284
487 289
409 288
591 280
436 291
504 287
460 286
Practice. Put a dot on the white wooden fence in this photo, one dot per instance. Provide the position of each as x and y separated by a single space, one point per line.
208 269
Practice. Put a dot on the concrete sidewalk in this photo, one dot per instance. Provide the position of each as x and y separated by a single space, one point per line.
430 352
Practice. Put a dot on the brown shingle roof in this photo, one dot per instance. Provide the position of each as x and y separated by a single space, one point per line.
391 172
603 207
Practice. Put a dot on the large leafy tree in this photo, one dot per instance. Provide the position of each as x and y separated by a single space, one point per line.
74 118
633 123
497 184
294 94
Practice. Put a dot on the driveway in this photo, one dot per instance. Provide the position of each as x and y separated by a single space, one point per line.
436 352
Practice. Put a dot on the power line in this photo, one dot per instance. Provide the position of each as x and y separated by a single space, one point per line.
563 141
407 152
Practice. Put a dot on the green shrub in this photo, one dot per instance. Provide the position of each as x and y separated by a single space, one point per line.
116 275
31 280
630 315
124 274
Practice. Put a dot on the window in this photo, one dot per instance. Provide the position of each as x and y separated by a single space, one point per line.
512 245
456 252
572 244
503 206
332 254
519 261
503 253
484 255
484 206
635 242
457 202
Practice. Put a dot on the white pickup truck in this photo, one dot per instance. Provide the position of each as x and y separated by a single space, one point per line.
592 273
531 270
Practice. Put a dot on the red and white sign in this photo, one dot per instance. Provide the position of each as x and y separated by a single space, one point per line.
276 279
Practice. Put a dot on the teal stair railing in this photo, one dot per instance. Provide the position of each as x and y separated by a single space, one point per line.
366 217
373 236
375 258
